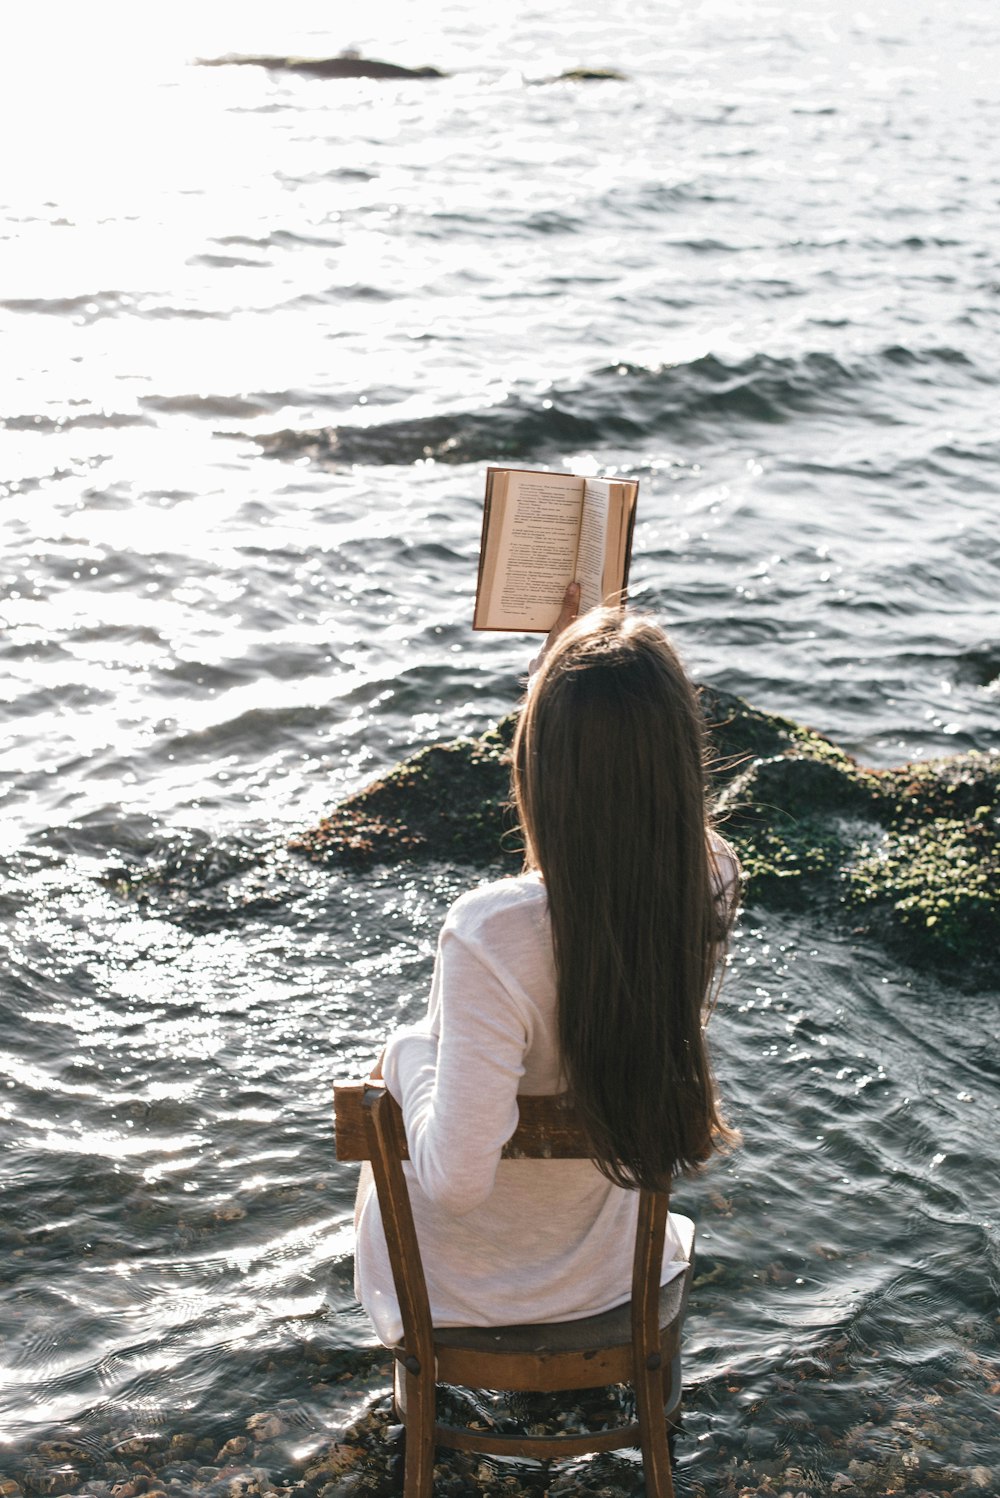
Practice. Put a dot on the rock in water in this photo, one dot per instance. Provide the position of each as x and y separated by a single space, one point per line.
448 801
347 65
909 855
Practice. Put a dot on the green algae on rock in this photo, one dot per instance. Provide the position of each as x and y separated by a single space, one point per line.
910 855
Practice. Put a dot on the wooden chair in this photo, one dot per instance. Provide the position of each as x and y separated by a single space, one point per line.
635 1343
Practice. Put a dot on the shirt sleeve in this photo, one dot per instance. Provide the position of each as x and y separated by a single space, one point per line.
456 1076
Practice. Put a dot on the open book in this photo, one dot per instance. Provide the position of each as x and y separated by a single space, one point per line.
542 531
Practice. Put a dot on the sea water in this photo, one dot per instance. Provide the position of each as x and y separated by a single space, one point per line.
261 333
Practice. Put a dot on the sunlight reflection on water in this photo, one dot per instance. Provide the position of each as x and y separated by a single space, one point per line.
757 275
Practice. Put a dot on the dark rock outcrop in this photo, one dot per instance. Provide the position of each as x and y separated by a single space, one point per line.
347 65
908 855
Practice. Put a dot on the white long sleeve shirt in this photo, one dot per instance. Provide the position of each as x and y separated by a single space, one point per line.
501 1240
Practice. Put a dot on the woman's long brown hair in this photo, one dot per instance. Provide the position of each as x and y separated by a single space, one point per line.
609 786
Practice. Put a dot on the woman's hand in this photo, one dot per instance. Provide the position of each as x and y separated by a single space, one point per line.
375 1075
569 611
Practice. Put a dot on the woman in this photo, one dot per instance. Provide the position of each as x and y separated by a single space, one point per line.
592 973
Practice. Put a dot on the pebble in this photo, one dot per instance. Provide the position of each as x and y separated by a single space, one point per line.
267 1426
230 1212
240 1482
234 1447
336 1462
182 1444
918 1448
139 1446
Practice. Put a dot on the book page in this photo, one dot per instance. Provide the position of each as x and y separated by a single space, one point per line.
489 548
535 555
593 540
622 496
611 576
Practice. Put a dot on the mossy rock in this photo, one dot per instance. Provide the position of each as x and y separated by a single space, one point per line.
451 800
447 801
909 855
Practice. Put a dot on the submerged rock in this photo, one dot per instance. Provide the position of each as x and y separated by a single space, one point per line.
590 75
347 65
910 855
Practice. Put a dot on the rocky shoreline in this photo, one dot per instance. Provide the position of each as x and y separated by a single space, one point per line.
270 1455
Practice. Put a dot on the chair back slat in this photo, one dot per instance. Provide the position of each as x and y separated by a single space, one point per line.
350 1121
547 1129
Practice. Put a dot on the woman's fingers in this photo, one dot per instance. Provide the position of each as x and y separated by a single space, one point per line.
569 611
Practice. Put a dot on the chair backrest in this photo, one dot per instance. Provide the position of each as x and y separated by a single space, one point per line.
369 1126
547 1129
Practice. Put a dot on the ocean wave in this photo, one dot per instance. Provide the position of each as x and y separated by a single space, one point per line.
213 405
228 262
265 728
35 422
620 403
88 305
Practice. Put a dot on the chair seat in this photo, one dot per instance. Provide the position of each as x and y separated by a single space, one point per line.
610 1329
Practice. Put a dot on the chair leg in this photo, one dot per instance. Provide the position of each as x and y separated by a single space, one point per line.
418 1409
649 1389
672 1391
